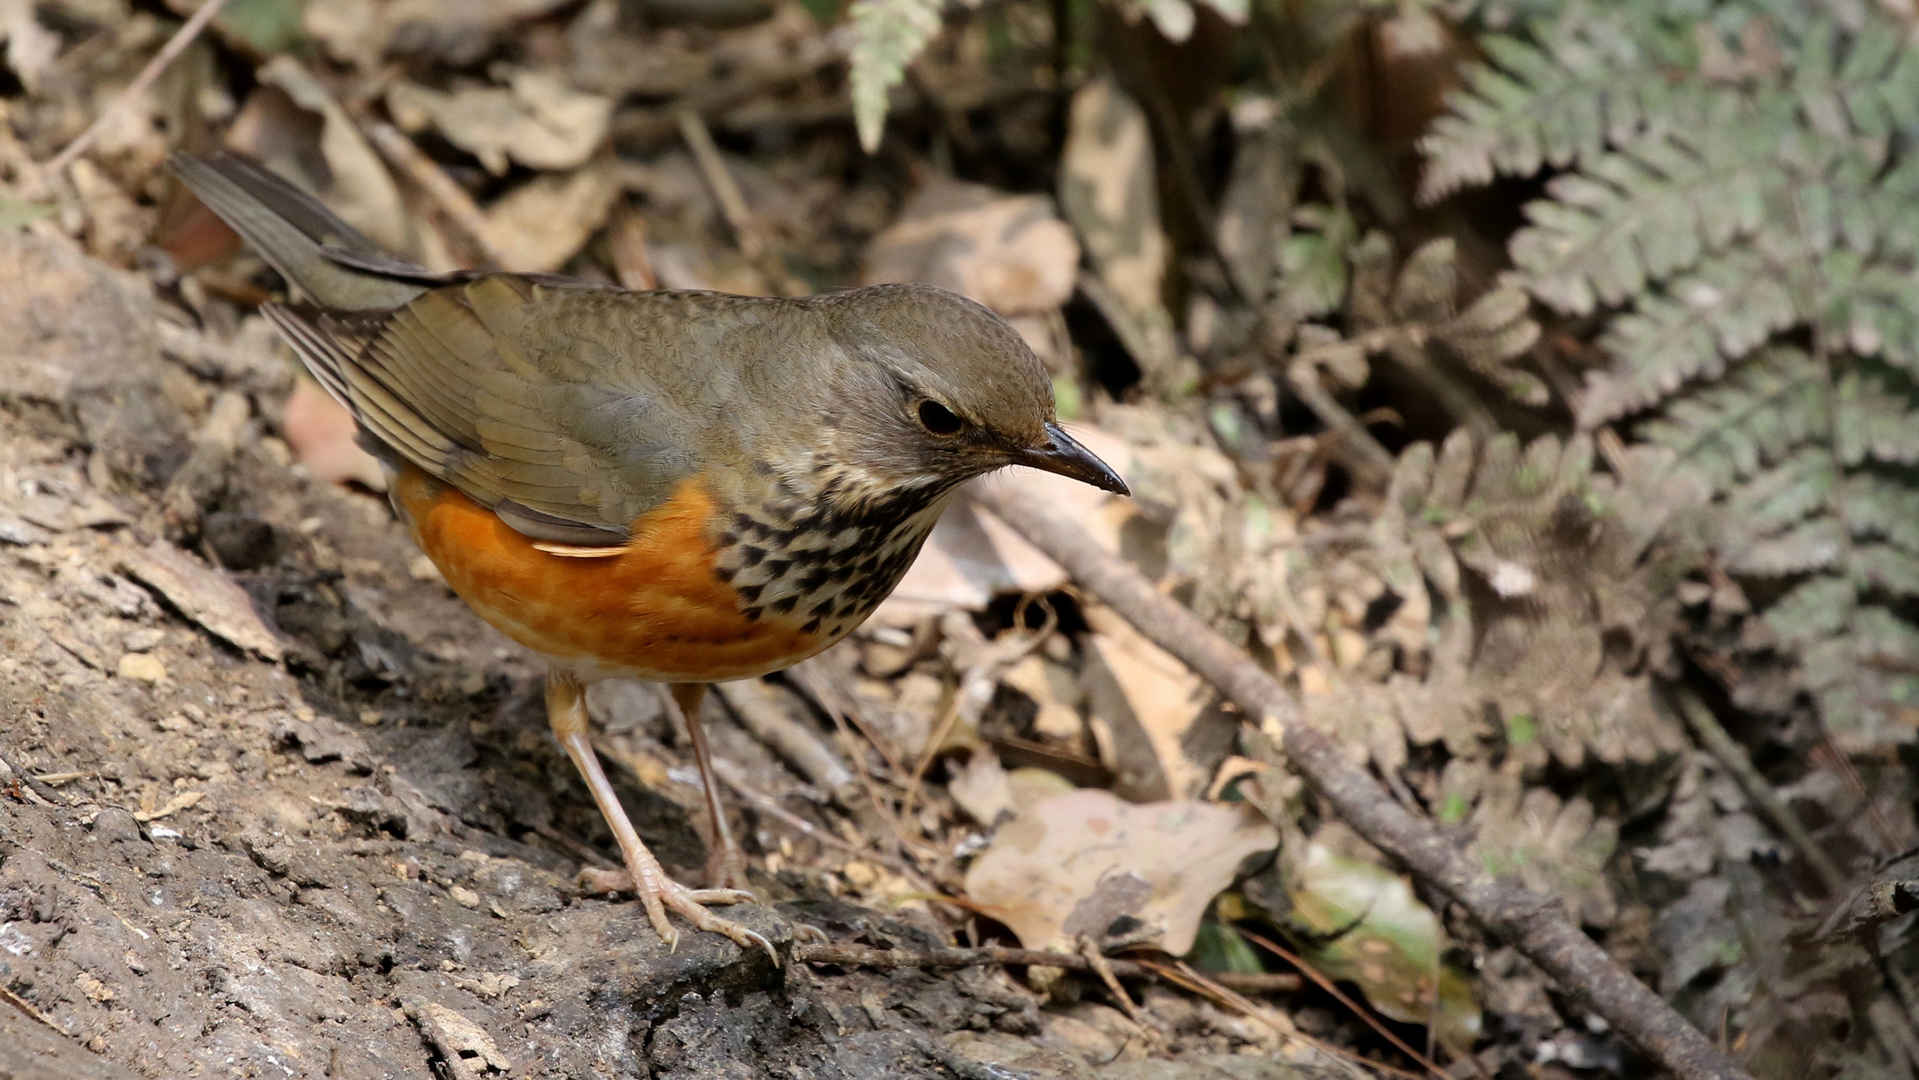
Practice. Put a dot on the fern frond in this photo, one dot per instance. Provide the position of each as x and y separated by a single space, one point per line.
1557 551
1882 507
1728 306
1731 430
1559 100
1650 212
887 35
1753 255
1876 411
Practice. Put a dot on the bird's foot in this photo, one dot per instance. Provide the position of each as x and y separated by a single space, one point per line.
662 894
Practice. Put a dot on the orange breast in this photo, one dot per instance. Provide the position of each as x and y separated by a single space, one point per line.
654 611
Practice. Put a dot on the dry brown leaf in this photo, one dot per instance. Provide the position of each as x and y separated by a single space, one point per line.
349 30
541 224
1108 192
1146 708
1009 252
536 119
203 595
980 787
1107 188
461 33
1055 689
33 51
353 180
1080 861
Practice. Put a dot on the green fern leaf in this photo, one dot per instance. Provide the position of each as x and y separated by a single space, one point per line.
1748 243
1881 507
887 35
1730 305
1731 430
1589 83
1887 569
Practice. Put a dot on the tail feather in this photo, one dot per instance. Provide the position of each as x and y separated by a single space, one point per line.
327 259
322 353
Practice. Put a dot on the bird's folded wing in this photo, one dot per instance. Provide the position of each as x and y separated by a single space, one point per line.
542 403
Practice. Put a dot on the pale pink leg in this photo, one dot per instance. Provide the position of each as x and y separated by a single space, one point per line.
566 712
725 862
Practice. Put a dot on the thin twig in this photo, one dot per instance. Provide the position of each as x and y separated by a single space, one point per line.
179 41
31 1010
730 775
1365 1014
451 198
795 742
1536 924
1210 986
1099 964
866 956
1356 446
719 179
1733 758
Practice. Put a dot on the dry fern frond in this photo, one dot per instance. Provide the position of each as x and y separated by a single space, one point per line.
1550 607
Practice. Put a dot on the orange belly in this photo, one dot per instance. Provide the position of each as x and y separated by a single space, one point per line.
654 611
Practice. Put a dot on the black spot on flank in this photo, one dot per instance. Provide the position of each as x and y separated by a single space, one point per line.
752 612
750 593
763 467
743 524
778 567
729 538
824 607
815 581
812 627
785 605
751 555
724 574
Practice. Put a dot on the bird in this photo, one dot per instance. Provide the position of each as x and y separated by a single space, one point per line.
678 486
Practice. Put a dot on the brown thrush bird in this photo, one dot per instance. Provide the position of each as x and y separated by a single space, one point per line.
682 487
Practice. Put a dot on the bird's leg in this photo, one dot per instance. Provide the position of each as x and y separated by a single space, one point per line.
725 862
566 712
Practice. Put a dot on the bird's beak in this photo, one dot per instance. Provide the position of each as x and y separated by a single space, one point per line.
1063 454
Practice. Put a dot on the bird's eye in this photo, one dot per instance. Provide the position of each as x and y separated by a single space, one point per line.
939 420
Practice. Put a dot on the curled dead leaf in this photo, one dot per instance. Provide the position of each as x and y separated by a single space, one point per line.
1158 865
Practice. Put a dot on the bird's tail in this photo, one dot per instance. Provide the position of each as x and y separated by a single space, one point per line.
331 262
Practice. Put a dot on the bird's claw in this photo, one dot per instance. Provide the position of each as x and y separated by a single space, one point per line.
689 903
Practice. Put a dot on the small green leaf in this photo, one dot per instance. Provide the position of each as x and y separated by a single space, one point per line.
1375 932
823 11
1521 729
265 26
1219 947
16 213
1067 400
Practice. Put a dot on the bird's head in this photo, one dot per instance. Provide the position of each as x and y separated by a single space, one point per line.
940 390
